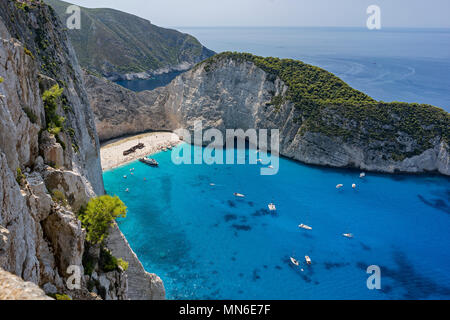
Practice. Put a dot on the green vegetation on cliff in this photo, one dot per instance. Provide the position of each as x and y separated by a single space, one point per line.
108 262
97 218
100 215
326 104
111 42
308 85
51 98
20 177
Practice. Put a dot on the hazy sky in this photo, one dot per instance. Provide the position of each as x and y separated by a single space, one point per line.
394 13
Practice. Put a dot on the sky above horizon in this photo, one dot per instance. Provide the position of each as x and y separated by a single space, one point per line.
339 13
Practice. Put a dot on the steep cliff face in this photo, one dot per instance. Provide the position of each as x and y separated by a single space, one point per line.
46 49
49 161
123 112
41 236
141 284
233 91
322 120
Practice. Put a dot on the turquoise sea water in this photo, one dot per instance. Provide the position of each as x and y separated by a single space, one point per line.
207 244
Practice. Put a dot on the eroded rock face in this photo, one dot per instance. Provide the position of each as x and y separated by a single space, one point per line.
4 246
52 151
70 184
38 197
48 52
141 284
66 236
19 95
119 112
39 238
14 288
15 216
111 285
27 250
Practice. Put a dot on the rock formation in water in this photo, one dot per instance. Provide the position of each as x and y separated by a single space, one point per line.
49 159
119 45
322 121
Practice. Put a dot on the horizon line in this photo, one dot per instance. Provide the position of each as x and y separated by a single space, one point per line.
336 27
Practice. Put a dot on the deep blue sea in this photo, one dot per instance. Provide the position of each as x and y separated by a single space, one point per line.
207 244
411 65
150 84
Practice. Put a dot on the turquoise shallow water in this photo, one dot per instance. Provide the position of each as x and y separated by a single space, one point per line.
206 244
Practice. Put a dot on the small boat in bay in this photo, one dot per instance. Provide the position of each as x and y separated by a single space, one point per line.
308 260
348 235
272 207
149 162
239 195
295 262
339 186
304 226
362 175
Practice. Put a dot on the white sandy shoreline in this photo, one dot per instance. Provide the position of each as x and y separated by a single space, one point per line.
111 153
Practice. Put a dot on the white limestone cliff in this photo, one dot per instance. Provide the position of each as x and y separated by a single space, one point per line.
237 94
40 234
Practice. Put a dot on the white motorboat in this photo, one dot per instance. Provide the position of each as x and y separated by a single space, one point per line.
308 260
348 235
149 162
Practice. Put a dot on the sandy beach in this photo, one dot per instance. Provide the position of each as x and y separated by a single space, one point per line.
112 152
